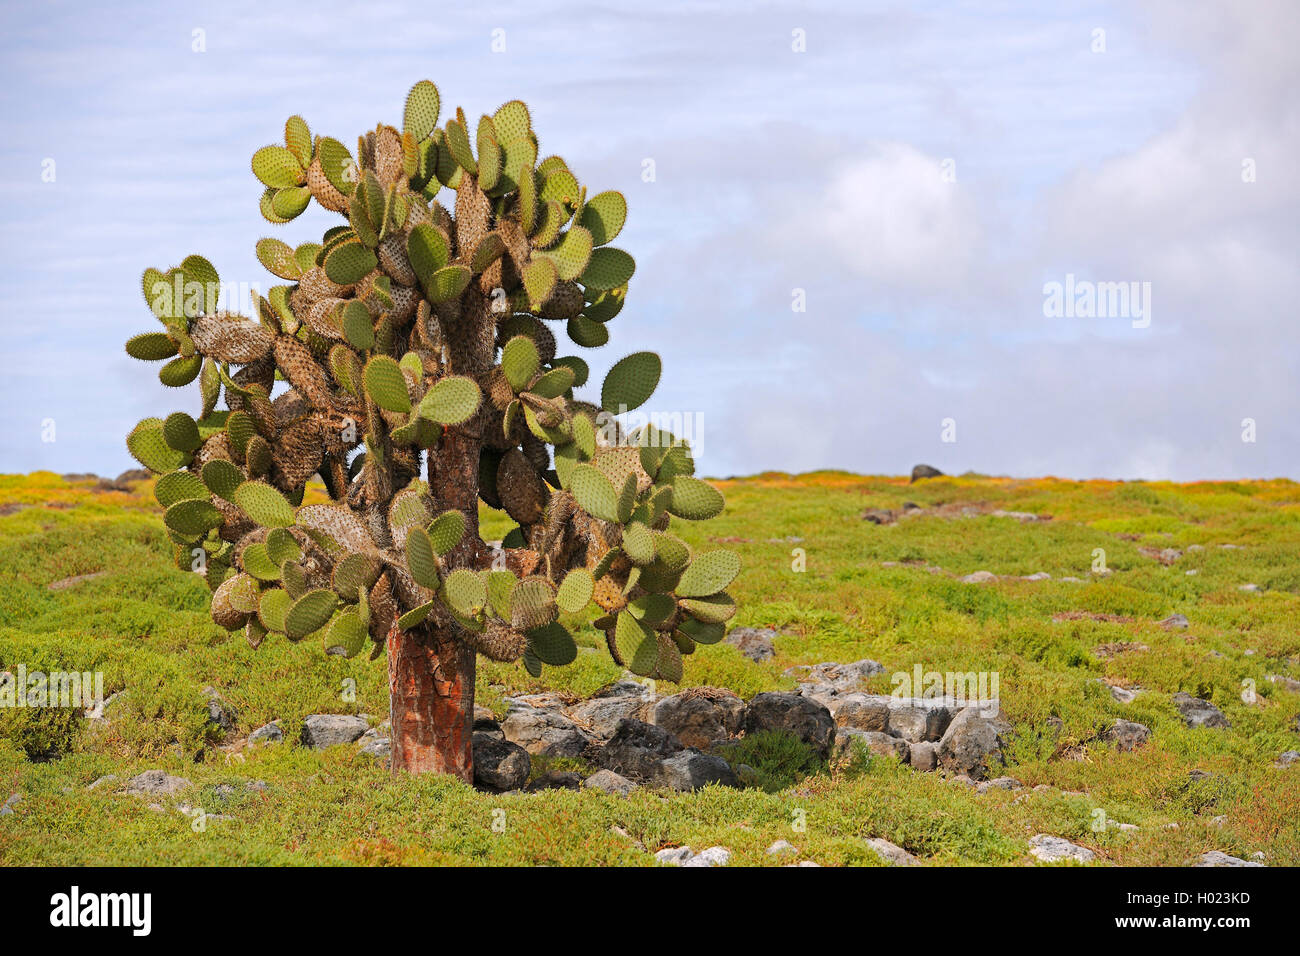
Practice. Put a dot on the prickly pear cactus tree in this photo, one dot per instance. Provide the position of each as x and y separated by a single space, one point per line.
409 361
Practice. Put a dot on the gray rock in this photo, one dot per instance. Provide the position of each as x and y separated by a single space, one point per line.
1248 587
499 765
861 711
154 782
924 756
674 855
891 852
971 741
781 847
1219 858
1287 758
701 715
1021 516
1010 784
917 719
979 577
1123 695
691 770
1052 849
220 714
806 719
101 781
544 732
754 642
636 749
267 734
1199 713
925 471
607 781
840 678
381 748
713 856
1037 576
1127 735
877 743
326 730
600 715
1286 683
1175 622
7 807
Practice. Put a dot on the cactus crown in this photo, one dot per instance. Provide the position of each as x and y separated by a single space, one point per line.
410 329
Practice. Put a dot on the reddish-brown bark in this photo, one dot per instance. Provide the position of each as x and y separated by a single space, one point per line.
431 688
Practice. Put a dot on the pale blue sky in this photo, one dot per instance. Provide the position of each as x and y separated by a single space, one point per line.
818 170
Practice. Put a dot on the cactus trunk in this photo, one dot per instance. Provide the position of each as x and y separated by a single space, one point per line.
431 686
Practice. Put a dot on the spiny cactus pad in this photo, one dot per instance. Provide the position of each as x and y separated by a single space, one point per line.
409 363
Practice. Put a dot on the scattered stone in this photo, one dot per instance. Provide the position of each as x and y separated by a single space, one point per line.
600 715
713 856
381 748
781 847
1199 713
838 678
971 740
978 577
101 781
1022 516
636 748
1037 576
155 782
1128 735
326 730
1219 858
1286 683
619 831
1287 758
1118 647
1248 587
701 715
807 719
804 863
861 711
556 780
1124 695
674 855
607 781
7 807
924 756
754 642
220 714
542 731
1175 622
267 734
879 516
925 471
1010 784
499 765
1052 849
920 718
690 770
892 852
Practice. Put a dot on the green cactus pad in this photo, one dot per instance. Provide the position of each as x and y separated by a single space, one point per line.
179 486
603 216
588 334
694 499
258 563
458 144
420 118
289 203
147 446
606 304
346 634
337 164
532 604
560 186
701 632
281 546
421 559
554 383
540 277
553 645
181 432
277 167
258 456
451 401
594 493
636 644
192 517
714 609
520 361
150 346
297 137
608 268
278 258
309 613
354 574
222 478
386 385
428 250
349 262
488 251
631 382
572 253
465 592
489 157
273 607
709 573
638 544
179 372
511 121
575 591
446 531
448 283
414 617
547 228
264 505
651 609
